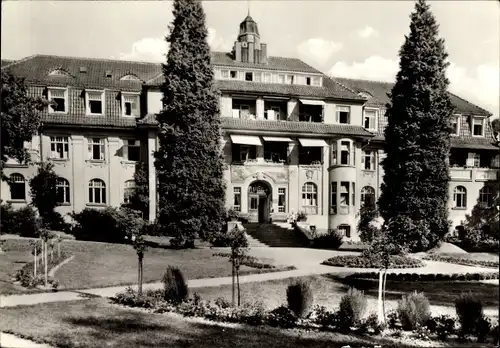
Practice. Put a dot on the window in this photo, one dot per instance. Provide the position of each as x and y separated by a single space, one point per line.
59 147
485 197
281 78
243 153
267 77
368 160
344 193
253 203
281 200
17 187
95 102
276 111
97 191
345 152
476 159
460 197
224 74
275 151
59 98
343 114
455 125
248 76
128 192
289 79
130 105
234 74
333 203
367 196
353 194
132 150
495 161
96 149
316 81
257 77
370 119
237 198
310 155
334 153
478 127
62 191
345 230
310 198
308 81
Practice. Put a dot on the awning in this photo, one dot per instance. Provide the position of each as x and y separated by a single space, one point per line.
246 139
283 139
313 142
312 102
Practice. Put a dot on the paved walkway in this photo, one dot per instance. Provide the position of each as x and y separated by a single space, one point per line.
8 340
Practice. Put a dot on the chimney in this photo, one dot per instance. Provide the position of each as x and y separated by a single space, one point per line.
263 53
83 69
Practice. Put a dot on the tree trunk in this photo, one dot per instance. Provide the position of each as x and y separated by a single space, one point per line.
238 283
51 252
233 294
380 308
45 261
34 263
59 250
139 288
383 293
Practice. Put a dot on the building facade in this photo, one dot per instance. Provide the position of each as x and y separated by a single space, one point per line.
294 139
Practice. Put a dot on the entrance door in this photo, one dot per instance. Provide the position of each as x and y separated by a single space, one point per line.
263 209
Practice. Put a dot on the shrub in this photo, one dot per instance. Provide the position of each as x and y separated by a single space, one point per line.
222 302
301 216
352 308
331 240
130 297
469 311
462 261
413 310
321 316
282 317
443 326
371 325
252 313
299 296
483 329
175 289
25 274
21 221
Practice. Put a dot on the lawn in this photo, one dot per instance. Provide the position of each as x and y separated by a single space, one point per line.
96 323
102 264
474 256
328 290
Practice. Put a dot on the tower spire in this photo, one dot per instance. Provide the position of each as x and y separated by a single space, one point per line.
248 6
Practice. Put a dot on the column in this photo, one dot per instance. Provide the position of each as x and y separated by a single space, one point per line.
80 182
114 181
325 191
152 175
294 191
259 108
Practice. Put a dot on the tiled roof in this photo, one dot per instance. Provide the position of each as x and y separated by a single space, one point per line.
485 143
35 70
280 126
89 121
378 90
273 63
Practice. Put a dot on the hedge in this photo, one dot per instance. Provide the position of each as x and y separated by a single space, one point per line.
355 261
427 276
461 261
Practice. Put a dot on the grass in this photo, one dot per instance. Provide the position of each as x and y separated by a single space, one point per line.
97 323
103 264
474 256
328 290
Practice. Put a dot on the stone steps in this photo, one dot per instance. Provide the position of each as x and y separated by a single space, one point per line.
275 235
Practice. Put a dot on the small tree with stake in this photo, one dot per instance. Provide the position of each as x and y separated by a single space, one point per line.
133 226
239 248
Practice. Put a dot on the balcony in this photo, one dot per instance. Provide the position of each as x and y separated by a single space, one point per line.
473 174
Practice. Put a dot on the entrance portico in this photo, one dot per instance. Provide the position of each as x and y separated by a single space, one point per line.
259 201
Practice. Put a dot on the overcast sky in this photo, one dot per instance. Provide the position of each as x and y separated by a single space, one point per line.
344 38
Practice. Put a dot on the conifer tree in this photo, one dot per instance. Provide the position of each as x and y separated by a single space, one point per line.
189 161
417 138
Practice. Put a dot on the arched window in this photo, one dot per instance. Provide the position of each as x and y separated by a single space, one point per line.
128 191
310 198
62 190
97 191
485 197
367 196
460 197
17 187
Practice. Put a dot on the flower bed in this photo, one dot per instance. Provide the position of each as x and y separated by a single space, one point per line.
428 277
461 261
355 261
25 274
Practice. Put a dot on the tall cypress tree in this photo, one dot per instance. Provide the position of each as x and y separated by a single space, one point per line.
417 139
189 161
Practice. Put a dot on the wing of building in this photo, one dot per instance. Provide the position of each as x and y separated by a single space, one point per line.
294 139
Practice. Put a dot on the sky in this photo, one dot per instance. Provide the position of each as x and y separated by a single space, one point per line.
357 39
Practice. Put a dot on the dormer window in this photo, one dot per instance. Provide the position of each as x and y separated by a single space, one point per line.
257 77
267 77
234 74
369 119
289 79
248 76
224 73
343 114
478 126
281 78
95 102
455 125
130 104
59 72
316 81
59 99
130 77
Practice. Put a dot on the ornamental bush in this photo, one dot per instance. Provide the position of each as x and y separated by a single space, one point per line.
175 288
21 221
413 310
352 308
299 297
443 326
282 317
470 312
331 240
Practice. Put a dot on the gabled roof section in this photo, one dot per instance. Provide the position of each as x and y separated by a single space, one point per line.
273 63
378 90
36 69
